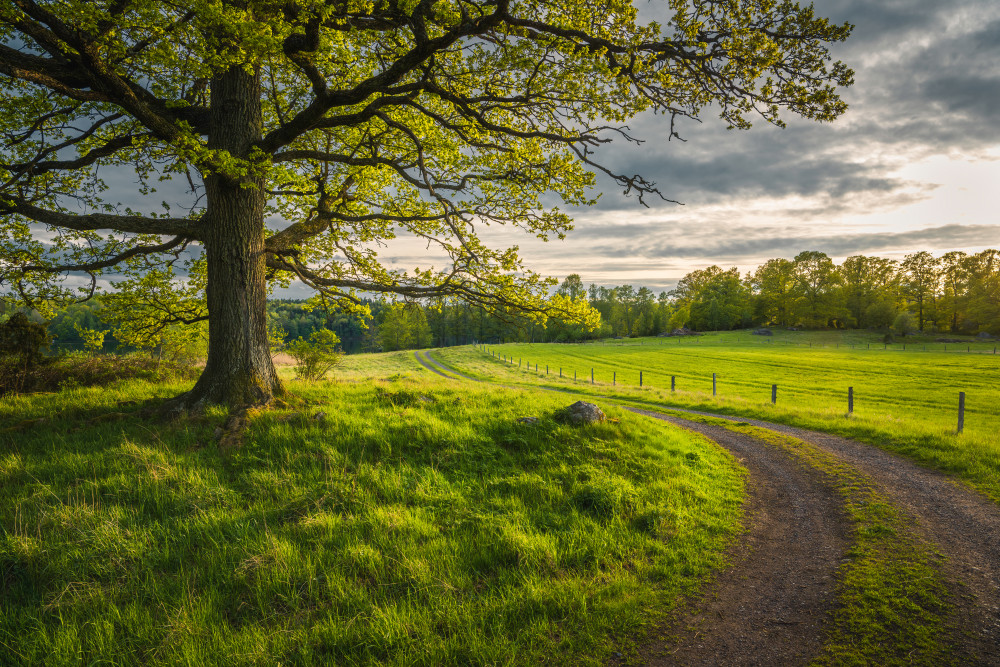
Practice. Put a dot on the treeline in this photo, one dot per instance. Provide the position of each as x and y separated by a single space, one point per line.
956 293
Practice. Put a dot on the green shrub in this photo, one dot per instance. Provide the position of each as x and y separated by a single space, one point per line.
904 324
23 339
316 356
21 343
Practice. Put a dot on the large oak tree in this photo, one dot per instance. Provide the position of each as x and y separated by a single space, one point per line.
351 122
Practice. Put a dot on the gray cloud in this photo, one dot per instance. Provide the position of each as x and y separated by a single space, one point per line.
741 243
928 83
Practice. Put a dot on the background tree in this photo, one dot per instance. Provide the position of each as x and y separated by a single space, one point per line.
920 278
572 287
774 283
353 123
818 297
954 274
880 315
628 300
562 330
721 303
983 296
904 324
404 326
867 281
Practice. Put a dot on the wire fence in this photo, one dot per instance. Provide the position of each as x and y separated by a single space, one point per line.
641 377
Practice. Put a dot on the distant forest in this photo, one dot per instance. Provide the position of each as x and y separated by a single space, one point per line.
957 293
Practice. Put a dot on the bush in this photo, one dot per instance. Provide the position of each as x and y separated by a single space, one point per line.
22 339
904 324
21 343
316 356
879 315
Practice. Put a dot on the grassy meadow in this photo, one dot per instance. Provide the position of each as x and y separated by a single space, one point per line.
905 401
384 517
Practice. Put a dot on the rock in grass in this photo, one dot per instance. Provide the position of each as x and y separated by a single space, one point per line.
527 420
584 413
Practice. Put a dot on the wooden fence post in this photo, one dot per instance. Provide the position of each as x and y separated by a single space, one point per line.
614 378
774 394
961 411
640 378
713 384
673 383
850 400
591 376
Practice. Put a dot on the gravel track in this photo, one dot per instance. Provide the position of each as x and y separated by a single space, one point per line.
749 611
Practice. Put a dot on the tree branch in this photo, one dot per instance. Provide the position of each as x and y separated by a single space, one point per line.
89 222
111 261
312 115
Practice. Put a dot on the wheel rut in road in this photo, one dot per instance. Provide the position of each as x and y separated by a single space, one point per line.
433 366
961 523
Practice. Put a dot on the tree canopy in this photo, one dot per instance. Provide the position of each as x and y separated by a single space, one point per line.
346 124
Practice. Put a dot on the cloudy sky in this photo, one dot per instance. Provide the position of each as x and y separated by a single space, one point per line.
914 165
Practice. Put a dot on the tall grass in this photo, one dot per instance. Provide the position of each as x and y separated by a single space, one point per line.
395 520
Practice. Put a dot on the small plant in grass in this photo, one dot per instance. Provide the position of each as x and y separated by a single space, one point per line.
315 357
275 337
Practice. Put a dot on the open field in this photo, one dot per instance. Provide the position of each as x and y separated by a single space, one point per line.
415 522
903 401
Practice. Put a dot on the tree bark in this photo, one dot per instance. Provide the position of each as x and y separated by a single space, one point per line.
239 371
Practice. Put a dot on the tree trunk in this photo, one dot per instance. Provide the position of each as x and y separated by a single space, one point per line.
239 372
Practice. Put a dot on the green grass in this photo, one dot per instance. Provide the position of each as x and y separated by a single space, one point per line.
416 522
905 402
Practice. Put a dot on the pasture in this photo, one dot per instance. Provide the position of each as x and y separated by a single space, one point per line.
905 401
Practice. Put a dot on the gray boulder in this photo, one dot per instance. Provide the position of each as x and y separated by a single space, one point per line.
584 413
